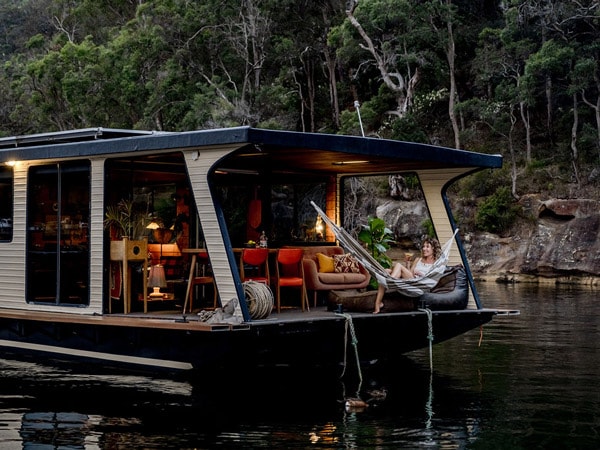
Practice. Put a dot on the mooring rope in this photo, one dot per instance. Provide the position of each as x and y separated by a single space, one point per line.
429 334
429 403
349 326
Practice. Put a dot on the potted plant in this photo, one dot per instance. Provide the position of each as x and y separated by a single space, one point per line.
127 229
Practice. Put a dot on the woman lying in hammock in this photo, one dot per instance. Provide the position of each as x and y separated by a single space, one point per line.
431 250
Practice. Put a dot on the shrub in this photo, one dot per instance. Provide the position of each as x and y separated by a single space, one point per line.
497 212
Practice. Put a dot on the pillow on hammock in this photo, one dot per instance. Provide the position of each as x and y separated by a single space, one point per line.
345 263
325 263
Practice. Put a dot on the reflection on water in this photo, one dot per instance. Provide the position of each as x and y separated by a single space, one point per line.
532 383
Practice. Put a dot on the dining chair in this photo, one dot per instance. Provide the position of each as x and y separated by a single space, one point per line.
290 273
254 265
199 278
202 281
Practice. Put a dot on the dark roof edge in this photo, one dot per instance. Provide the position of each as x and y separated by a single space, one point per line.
373 146
93 141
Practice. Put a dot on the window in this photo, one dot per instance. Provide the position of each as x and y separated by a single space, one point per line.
6 203
58 214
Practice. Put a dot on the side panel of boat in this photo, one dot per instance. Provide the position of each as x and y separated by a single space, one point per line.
434 182
12 260
12 263
98 287
199 164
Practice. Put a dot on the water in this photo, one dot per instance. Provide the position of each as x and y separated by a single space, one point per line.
527 382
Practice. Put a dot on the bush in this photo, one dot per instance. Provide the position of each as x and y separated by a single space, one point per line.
497 212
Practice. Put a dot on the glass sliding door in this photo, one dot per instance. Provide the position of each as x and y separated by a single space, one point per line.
58 214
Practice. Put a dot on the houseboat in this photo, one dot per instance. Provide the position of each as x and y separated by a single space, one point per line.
124 247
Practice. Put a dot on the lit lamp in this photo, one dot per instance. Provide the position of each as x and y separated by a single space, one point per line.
156 280
319 228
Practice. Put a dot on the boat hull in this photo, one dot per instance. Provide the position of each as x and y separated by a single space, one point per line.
176 345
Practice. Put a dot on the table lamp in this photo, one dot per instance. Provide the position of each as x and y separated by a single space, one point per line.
156 280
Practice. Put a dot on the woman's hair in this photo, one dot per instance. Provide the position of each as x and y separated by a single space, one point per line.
435 244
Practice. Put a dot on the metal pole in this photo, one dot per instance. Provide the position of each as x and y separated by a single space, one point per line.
357 106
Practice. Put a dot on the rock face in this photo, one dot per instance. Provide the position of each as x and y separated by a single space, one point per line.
558 242
561 242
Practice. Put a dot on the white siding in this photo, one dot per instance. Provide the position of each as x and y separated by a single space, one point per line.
12 254
96 237
199 163
432 182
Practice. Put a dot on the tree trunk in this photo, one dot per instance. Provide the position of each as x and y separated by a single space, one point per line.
451 55
596 109
404 91
527 124
513 157
333 93
549 108
574 151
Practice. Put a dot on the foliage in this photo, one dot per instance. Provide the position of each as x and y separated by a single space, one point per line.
520 70
428 226
377 238
126 220
497 212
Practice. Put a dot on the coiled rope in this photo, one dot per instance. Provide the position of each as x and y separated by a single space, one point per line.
259 298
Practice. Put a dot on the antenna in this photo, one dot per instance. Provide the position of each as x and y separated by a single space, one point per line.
357 106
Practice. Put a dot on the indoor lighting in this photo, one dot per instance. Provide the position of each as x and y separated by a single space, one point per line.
344 163
156 280
319 228
154 225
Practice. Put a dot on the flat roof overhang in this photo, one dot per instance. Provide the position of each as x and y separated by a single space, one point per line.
283 151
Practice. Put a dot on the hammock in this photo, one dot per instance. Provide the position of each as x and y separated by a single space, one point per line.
411 287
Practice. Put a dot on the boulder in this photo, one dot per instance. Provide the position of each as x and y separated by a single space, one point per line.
562 241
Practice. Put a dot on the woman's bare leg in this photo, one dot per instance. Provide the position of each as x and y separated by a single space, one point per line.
394 272
378 299
406 273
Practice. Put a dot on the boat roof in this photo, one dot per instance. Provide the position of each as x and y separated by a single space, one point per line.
286 150
58 137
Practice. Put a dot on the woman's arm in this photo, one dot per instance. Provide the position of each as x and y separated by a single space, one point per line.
414 264
417 273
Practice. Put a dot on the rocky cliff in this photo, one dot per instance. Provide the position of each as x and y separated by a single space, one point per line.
556 241
559 242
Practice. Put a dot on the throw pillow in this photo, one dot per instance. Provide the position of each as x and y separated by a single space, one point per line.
345 264
325 263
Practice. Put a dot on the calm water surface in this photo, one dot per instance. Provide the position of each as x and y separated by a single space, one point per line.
527 382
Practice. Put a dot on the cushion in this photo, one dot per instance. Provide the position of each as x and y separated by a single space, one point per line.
345 263
341 278
448 281
325 263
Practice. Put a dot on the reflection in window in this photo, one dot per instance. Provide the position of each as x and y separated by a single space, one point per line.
282 211
6 203
58 214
